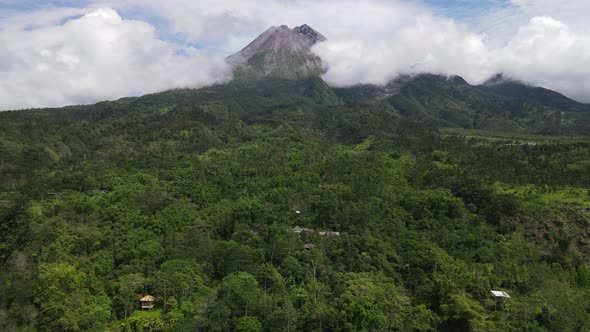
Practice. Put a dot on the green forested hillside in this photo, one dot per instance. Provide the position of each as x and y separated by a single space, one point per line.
504 106
192 196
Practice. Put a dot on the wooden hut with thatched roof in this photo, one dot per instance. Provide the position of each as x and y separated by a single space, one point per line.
147 302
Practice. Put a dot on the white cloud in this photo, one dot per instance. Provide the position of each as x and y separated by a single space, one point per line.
421 44
543 52
552 54
573 12
374 41
94 57
222 21
102 56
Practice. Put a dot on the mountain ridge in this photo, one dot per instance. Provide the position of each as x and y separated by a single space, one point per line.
511 88
440 100
448 101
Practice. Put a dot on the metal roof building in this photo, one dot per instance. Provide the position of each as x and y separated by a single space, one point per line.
500 294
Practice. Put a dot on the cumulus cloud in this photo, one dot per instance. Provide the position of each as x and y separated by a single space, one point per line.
92 57
369 41
538 41
574 12
543 51
422 44
82 55
550 53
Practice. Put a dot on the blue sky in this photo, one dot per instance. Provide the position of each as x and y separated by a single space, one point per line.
25 5
465 11
453 8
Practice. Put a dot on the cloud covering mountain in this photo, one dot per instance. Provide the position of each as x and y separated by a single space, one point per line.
59 55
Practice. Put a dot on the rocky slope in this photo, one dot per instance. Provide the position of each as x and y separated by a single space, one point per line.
280 52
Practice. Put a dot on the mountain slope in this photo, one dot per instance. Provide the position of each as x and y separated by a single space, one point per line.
451 101
499 104
192 196
525 92
280 52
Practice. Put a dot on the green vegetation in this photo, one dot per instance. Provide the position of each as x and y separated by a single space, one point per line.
192 196
513 138
451 102
545 195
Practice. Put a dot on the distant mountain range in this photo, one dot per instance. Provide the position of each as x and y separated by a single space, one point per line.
501 105
498 104
278 71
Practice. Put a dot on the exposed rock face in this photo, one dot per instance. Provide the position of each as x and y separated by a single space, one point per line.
280 52
310 33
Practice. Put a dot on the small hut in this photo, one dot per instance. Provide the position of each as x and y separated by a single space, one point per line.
147 302
308 246
500 294
500 297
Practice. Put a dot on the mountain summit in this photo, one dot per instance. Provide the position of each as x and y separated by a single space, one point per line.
280 52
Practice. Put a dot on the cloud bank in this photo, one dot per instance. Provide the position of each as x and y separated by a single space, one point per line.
92 57
61 56
543 51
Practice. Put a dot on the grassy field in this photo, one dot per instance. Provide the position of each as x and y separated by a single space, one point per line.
519 138
155 313
532 194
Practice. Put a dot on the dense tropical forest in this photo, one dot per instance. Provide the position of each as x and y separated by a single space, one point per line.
431 197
